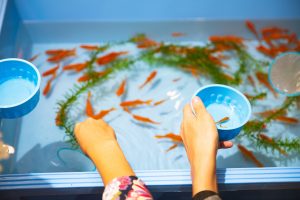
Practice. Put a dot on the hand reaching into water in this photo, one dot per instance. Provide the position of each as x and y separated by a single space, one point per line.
200 138
98 141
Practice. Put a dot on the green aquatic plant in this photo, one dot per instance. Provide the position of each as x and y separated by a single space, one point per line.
199 60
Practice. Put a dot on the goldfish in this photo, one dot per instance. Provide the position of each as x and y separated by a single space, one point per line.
268 52
176 79
149 79
89 47
268 113
87 77
271 30
227 38
172 136
89 108
51 71
178 34
251 81
252 28
263 79
90 111
248 154
289 120
144 119
58 121
103 113
135 103
120 91
33 58
103 60
224 119
62 55
194 72
54 51
271 141
76 67
147 43
48 85
160 102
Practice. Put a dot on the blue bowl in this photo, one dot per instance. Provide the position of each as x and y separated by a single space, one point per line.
223 101
19 87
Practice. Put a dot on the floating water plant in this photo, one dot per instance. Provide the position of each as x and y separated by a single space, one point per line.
207 61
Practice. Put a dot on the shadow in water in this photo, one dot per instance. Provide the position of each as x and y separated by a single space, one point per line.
55 157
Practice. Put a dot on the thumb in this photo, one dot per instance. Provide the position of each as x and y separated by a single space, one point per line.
197 105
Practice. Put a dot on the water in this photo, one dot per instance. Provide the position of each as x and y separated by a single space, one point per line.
15 90
219 111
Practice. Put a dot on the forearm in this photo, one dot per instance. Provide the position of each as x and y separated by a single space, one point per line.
110 161
204 174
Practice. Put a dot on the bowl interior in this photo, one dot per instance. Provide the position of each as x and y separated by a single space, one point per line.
229 108
19 81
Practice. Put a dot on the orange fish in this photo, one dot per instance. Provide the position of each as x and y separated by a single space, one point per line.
263 79
224 119
77 67
135 103
89 47
58 121
51 71
172 136
271 141
62 55
289 120
103 113
178 34
248 154
159 102
54 51
146 43
149 79
251 81
144 119
33 58
121 89
226 38
87 77
271 30
268 113
252 28
103 60
176 79
266 51
48 85
89 108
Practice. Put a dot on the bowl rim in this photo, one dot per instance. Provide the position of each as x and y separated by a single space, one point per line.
236 91
270 70
37 86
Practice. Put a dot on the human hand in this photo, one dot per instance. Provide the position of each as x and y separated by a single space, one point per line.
200 138
199 132
91 133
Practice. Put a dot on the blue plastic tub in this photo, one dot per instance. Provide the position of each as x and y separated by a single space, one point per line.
224 101
31 27
19 87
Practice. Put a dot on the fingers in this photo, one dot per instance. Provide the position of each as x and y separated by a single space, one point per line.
197 104
225 144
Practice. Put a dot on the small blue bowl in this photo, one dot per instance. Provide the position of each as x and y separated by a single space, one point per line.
223 101
19 87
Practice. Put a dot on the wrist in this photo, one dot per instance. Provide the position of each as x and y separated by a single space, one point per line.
203 172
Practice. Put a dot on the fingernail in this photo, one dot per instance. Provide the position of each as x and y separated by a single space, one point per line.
196 99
